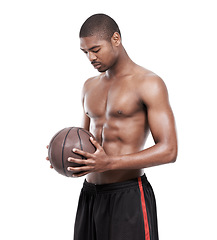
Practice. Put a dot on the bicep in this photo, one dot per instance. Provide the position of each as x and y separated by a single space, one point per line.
85 119
85 122
160 116
162 124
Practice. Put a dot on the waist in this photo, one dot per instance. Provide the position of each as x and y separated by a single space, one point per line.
112 187
113 176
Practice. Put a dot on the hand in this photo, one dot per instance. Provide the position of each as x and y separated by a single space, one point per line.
94 162
48 158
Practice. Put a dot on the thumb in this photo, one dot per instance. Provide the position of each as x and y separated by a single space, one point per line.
95 143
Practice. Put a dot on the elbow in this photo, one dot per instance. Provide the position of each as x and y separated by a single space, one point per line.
172 159
170 153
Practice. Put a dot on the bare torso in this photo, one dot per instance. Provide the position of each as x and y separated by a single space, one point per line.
121 106
118 119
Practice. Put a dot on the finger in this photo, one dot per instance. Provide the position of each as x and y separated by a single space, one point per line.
47 146
47 158
51 166
95 143
82 153
78 161
75 160
81 161
79 169
79 174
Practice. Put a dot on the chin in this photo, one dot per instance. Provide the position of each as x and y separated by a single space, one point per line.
101 70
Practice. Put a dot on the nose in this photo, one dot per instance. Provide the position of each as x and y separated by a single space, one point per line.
91 56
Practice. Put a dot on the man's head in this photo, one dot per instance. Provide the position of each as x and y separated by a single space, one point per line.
100 25
100 39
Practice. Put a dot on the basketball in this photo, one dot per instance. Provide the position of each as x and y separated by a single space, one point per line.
62 144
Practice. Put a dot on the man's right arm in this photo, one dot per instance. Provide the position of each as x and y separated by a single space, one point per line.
85 119
85 122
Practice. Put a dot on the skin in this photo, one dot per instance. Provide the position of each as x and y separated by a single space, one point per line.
122 106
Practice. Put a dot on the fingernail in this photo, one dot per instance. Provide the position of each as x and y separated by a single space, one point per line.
91 138
68 168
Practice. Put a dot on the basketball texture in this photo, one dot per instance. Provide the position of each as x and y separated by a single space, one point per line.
62 144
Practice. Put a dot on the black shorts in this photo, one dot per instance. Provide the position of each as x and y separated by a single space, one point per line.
117 211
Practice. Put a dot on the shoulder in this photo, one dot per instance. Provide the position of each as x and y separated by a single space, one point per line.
149 79
90 83
151 87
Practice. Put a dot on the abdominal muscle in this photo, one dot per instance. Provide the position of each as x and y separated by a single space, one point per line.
119 138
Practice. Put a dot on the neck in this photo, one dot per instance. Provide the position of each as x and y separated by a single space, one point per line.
122 65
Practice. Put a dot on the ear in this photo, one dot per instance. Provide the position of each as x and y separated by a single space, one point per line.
116 39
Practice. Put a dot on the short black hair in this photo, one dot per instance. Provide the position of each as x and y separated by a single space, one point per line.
101 25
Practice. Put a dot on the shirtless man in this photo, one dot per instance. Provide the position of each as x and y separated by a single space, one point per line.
121 106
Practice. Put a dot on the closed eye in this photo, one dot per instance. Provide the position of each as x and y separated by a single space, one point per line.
96 51
91 49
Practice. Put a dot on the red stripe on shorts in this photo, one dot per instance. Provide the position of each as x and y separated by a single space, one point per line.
145 217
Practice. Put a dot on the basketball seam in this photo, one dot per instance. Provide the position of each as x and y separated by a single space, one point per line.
49 148
88 133
63 150
85 132
80 141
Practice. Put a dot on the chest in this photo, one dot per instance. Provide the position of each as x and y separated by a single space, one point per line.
111 100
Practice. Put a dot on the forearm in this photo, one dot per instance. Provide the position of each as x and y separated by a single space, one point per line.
156 155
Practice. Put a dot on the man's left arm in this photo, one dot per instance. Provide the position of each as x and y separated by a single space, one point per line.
161 121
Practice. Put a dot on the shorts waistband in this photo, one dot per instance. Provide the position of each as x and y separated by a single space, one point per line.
111 187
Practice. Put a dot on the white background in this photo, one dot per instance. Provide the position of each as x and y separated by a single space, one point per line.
42 71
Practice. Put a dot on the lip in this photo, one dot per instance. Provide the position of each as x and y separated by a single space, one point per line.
97 65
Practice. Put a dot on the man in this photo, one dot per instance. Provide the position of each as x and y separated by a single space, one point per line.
121 106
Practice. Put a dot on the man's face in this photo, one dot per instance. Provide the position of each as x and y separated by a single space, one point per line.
101 53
